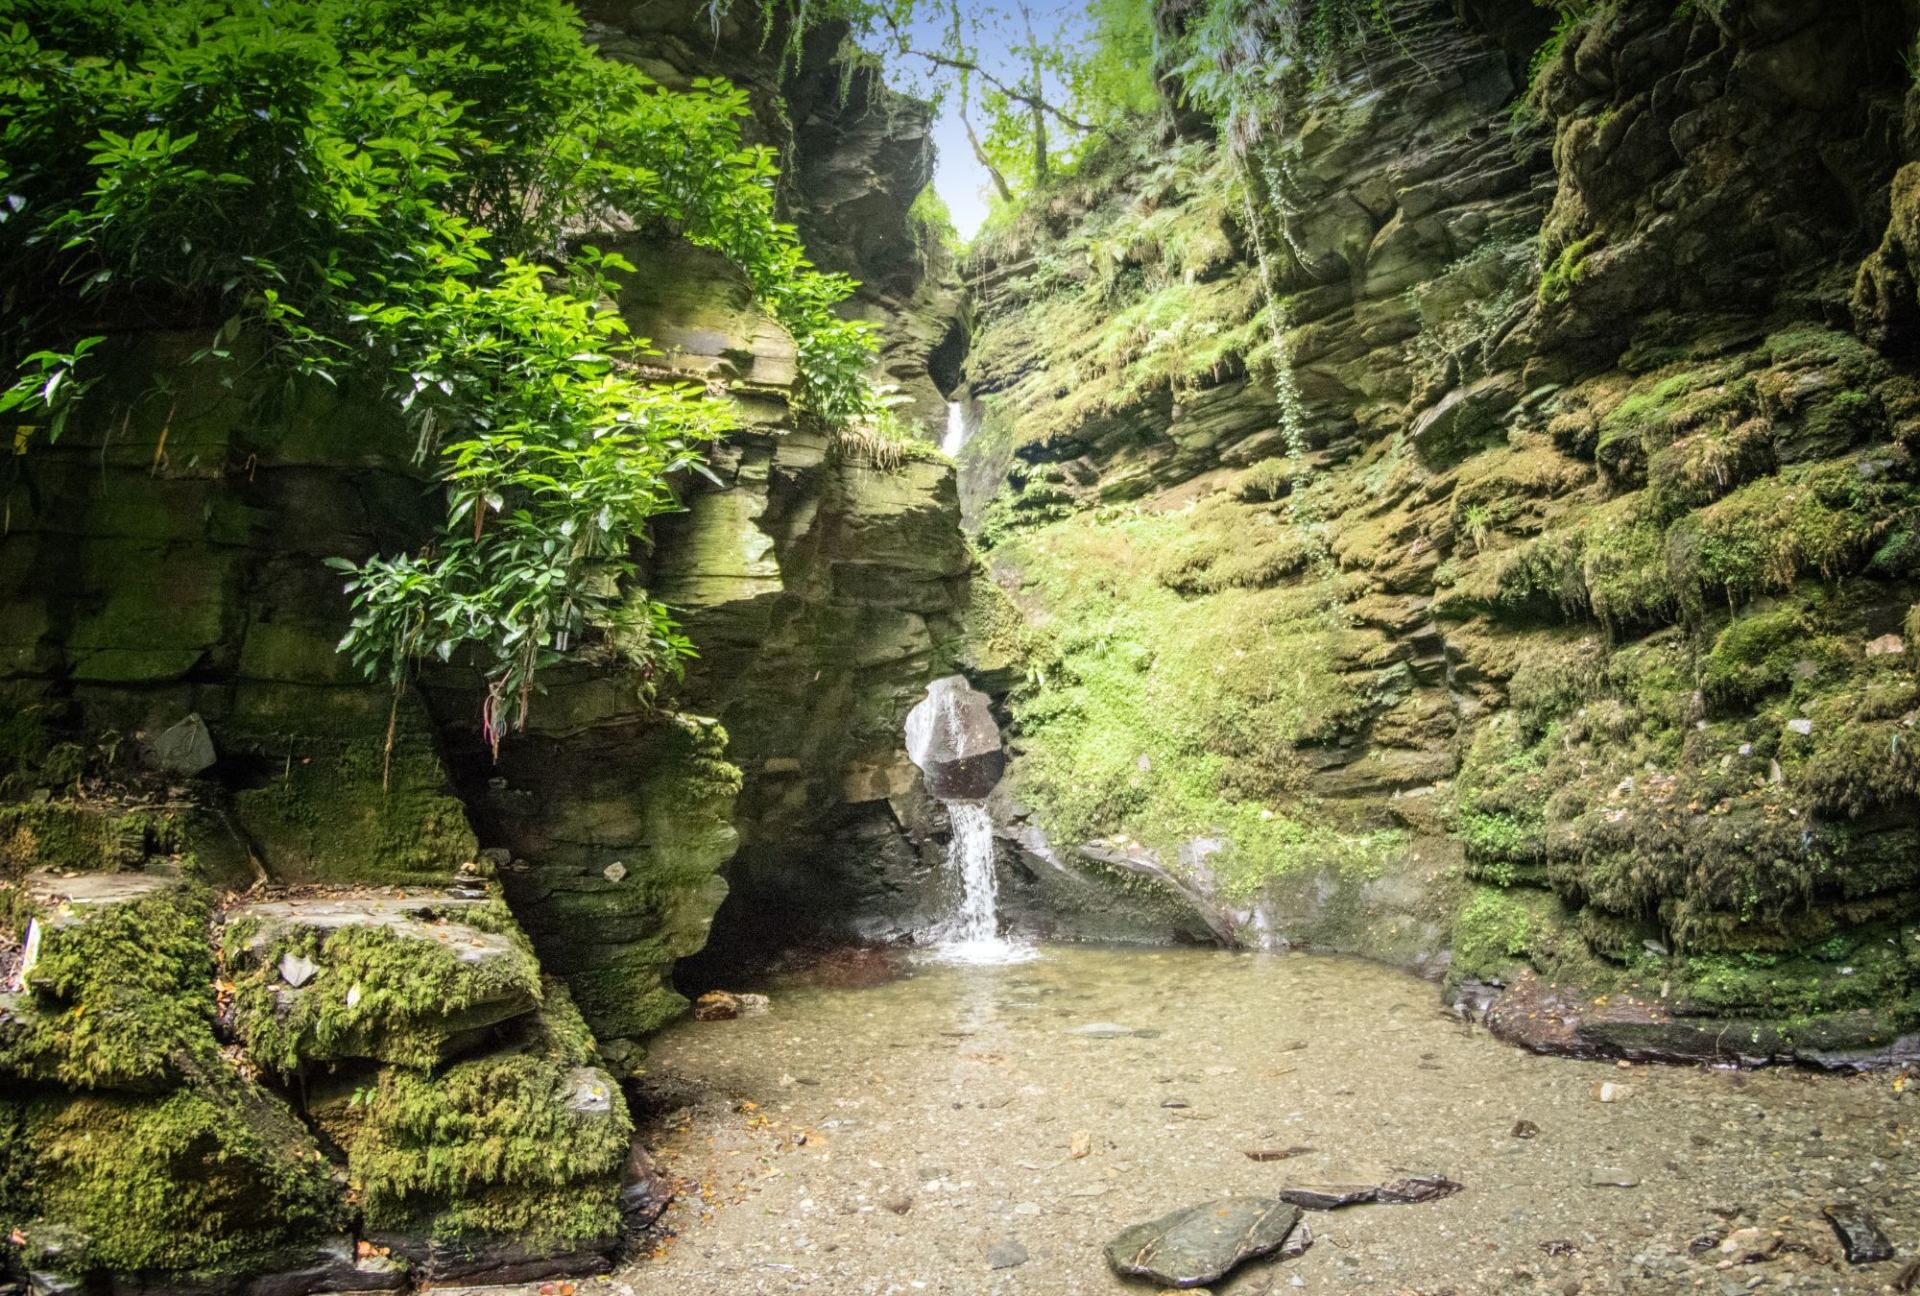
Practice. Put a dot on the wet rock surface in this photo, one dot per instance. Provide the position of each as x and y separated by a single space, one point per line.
1198 1244
954 739
1419 1188
1860 1234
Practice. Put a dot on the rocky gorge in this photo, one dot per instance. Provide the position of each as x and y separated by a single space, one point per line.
1454 506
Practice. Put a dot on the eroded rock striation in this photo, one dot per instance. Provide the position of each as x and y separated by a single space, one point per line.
1493 486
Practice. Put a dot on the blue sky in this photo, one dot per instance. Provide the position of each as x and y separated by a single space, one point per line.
959 179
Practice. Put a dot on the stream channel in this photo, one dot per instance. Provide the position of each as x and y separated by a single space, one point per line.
910 1135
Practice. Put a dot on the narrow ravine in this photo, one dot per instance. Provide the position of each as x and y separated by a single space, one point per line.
609 685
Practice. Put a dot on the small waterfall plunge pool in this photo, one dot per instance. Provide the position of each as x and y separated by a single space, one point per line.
883 1138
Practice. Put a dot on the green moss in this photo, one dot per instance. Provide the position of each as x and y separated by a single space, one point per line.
218 1178
1802 983
1824 519
995 627
1568 271
1270 479
122 996
1773 649
1172 712
1225 545
1493 934
379 993
344 814
64 836
494 1145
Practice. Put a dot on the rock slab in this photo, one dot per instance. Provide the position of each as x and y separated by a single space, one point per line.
1199 1244
1860 1234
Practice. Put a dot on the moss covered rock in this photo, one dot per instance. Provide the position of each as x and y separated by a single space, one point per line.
120 995
214 1178
524 1142
395 977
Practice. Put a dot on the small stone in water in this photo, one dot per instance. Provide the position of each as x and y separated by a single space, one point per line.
1749 1245
1413 1189
1176 1102
716 1005
1081 1146
1201 1243
1105 1030
897 1202
1860 1234
1525 1129
1614 1177
1275 1154
1006 1255
1608 1091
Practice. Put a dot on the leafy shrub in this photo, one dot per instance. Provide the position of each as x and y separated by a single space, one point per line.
385 189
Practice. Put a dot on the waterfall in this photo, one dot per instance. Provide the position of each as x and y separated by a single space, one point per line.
970 857
956 438
952 736
972 934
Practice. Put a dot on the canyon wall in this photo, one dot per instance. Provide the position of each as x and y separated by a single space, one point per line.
1524 596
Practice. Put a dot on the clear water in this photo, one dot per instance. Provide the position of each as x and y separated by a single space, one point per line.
964 1087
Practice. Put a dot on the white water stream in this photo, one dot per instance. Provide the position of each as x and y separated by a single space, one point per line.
973 934
956 438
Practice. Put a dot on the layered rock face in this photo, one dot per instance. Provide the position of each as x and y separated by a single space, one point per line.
299 980
1527 587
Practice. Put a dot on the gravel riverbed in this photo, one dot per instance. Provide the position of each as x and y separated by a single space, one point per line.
988 1129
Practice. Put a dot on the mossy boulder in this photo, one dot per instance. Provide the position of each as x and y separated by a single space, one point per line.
214 1178
120 995
524 1142
397 977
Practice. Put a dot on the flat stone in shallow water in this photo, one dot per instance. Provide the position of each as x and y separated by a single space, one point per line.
1201 1243
1860 1234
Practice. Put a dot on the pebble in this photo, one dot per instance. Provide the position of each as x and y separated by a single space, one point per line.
1614 1177
1006 1255
897 1202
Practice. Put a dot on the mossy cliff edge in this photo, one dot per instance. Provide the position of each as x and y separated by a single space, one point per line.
1471 519
304 991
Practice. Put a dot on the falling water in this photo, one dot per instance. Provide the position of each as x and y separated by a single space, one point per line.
956 437
973 934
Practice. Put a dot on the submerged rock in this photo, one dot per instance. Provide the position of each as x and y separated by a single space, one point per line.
716 1005
1198 1244
1415 1188
1860 1234
1006 1255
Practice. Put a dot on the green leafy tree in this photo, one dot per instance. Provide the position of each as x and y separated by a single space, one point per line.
384 188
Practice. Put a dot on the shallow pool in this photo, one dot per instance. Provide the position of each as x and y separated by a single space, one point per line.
887 1139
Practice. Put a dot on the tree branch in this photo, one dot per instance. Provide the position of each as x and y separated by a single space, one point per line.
980 155
1015 93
